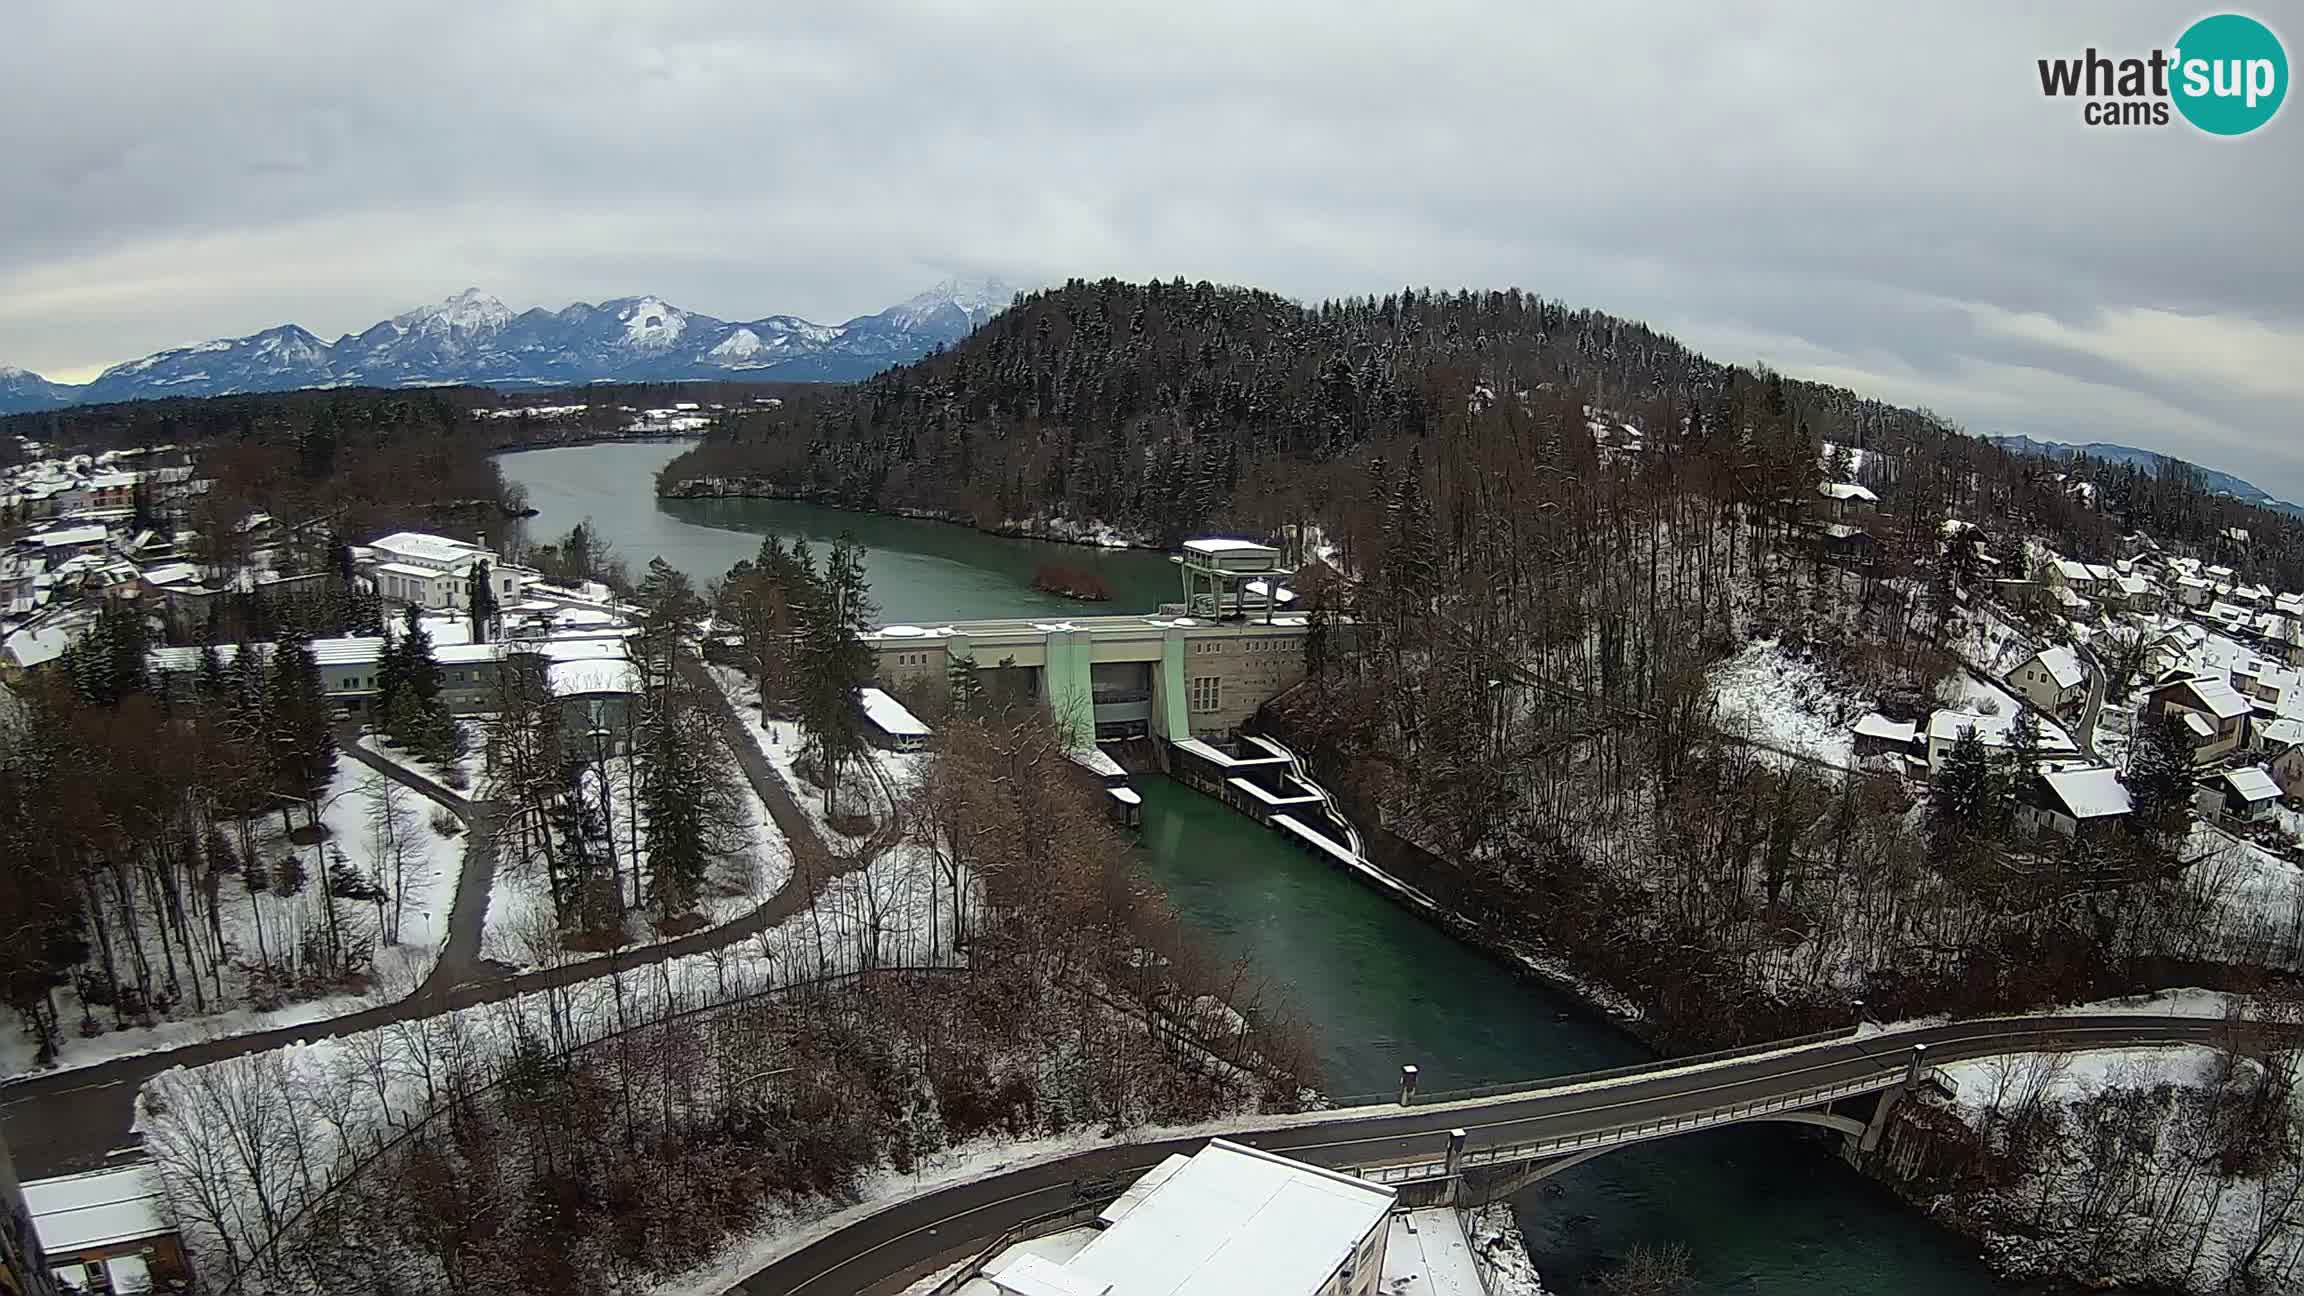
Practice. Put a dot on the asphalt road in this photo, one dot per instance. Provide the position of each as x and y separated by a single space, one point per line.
912 1237
57 1122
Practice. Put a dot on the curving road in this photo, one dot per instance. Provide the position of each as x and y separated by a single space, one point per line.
913 1237
57 1122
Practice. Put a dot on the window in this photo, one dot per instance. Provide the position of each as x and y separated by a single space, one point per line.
1207 692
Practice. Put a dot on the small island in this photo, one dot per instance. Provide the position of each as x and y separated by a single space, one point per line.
1071 582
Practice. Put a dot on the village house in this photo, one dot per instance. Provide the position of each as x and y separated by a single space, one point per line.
2053 680
108 1231
2088 579
2281 742
1946 726
2193 592
2245 794
2084 802
2213 713
1847 501
1877 735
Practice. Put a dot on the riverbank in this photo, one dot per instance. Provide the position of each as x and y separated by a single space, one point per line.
1092 535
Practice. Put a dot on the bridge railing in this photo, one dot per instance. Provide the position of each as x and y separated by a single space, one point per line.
1639 1131
1427 1097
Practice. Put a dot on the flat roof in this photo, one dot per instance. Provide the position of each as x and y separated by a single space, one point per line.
100 1208
1235 1221
1216 544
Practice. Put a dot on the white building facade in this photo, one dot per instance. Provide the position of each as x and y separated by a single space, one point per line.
436 572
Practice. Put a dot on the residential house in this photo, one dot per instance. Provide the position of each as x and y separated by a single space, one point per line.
2281 742
2213 713
2081 577
2194 593
2246 794
1847 501
108 1230
2053 680
1945 727
1877 735
2083 802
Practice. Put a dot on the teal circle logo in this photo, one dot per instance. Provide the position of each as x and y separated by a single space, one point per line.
2228 74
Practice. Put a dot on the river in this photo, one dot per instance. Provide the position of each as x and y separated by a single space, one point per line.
1763 1210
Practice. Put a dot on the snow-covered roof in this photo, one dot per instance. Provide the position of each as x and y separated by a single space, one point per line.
889 715
1225 546
1876 725
78 535
173 574
2198 725
578 678
1846 491
100 1208
1234 1221
1025 1274
2089 793
2218 697
2284 732
2063 666
2252 784
428 548
1946 725
33 645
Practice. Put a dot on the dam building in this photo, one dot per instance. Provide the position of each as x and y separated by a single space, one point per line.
1196 668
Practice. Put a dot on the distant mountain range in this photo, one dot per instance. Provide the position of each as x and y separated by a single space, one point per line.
2245 491
473 338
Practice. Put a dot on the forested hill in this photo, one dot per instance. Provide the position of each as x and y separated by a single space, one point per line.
1164 407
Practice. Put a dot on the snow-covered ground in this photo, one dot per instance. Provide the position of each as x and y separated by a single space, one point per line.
1056 1248
1784 702
2134 1186
426 887
520 929
876 916
869 795
464 777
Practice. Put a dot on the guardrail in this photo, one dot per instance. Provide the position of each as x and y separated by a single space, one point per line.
1428 1097
1505 1154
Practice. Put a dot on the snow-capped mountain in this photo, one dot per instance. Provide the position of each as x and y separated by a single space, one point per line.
474 338
21 389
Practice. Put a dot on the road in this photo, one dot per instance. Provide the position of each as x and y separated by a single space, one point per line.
2085 734
914 1237
57 1122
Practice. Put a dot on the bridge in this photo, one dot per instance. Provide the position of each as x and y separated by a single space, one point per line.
1475 1148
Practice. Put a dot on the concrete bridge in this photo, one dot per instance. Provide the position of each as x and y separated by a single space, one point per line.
1487 1144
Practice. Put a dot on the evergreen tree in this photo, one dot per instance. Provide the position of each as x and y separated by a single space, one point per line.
303 737
964 686
2021 763
1964 798
2160 777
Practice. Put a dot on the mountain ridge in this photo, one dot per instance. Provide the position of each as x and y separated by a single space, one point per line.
473 338
2239 488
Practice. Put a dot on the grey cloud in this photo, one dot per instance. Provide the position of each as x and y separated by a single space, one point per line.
1852 184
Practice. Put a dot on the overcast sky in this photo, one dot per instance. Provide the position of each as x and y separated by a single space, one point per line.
1871 195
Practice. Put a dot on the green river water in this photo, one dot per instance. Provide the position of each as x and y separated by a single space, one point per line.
1762 1210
